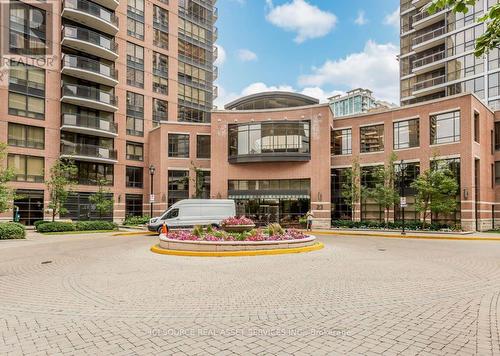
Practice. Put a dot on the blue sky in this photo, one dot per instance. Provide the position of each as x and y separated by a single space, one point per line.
317 47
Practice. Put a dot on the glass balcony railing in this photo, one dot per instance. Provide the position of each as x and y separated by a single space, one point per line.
429 36
91 65
90 122
429 59
89 93
429 83
83 34
92 9
91 151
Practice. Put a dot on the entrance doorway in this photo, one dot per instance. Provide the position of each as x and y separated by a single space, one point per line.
30 205
270 213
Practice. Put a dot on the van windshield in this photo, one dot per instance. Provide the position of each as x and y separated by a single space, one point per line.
173 213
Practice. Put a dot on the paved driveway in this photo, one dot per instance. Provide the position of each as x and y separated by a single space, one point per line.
103 295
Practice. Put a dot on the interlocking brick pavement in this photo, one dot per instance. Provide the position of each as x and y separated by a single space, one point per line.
105 295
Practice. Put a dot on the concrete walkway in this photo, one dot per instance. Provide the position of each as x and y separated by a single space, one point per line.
478 236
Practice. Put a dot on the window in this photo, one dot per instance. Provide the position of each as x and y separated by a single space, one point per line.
203 146
178 145
497 136
27 29
160 73
135 114
160 111
26 136
172 214
445 128
203 184
134 177
135 126
135 28
192 30
194 95
135 151
26 90
135 65
342 142
135 8
90 173
160 18
497 172
160 38
476 127
135 18
133 205
26 168
192 74
187 114
192 52
178 186
79 208
406 134
372 138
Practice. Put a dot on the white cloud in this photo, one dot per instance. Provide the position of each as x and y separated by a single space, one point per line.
392 19
361 19
221 59
375 68
245 55
307 20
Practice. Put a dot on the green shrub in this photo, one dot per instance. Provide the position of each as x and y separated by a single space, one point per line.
12 230
95 225
136 220
393 225
40 222
275 229
198 231
56 226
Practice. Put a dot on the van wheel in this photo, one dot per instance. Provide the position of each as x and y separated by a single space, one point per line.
159 230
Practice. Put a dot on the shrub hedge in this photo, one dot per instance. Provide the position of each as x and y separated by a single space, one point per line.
409 225
12 230
62 226
56 226
95 225
136 220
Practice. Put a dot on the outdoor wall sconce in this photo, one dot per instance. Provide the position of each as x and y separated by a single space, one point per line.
466 193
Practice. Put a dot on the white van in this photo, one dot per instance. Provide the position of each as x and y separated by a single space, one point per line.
190 212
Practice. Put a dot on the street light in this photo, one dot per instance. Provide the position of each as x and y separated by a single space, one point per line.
152 170
402 203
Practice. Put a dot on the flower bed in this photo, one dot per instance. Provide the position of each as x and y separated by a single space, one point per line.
219 235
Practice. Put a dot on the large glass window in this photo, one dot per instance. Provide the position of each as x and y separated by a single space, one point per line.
188 114
134 177
178 186
342 142
160 73
265 138
406 134
372 138
497 136
445 128
135 65
203 184
160 111
135 151
135 114
26 168
26 136
203 146
26 90
497 172
133 205
178 145
341 208
27 29
90 173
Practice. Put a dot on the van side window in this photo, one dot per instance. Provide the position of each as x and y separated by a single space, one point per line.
173 213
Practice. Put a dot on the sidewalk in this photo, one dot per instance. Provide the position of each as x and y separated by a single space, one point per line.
466 236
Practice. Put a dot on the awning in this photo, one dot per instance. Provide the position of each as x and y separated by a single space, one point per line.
270 196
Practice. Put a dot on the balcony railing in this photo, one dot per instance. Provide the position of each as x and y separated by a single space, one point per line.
429 83
429 59
89 93
92 9
90 36
77 149
91 65
90 122
429 36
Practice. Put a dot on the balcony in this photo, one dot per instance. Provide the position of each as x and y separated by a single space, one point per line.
88 125
110 4
215 92
89 153
424 19
82 95
215 73
429 63
429 86
88 41
429 39
91 15
89 69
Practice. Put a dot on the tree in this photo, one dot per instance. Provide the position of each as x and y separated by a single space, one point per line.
491 37
350 191
59 185
198 181
436 193
384 192
101 199
6 174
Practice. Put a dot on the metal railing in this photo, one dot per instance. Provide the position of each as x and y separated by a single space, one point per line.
90 122
86 92
91 65
92 9
83 34
77 149
429 36
429 59
429 83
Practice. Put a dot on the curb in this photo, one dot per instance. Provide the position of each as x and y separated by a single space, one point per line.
135 233
399 236
162 251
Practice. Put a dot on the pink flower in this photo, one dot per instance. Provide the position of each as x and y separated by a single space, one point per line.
237 221
182 236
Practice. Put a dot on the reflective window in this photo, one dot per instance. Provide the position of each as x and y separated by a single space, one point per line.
135 151
178 186
406 134
372 138
445 128
342 142
134 177
178 145
26 136
203 146
26 168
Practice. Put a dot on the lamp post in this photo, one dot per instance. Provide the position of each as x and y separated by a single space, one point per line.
402 202
152 170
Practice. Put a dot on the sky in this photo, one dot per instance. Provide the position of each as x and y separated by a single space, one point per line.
315 47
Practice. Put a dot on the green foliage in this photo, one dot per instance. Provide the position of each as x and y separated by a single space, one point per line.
56 226
198 231
136 220
59 185
6 174
40 222
95 225
275 229
12 230
436 192
491 37
210 230
103 204
397 225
